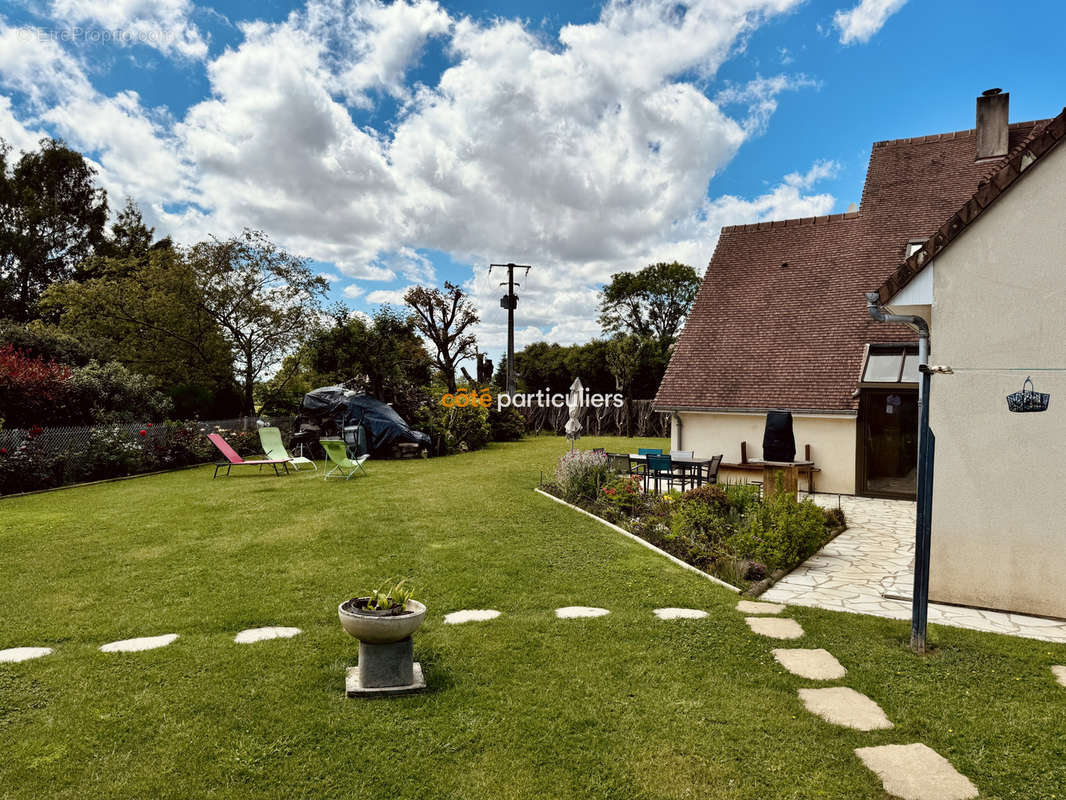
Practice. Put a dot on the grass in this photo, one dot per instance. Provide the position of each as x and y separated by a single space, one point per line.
525 706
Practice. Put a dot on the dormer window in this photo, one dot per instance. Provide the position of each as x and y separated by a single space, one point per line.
913 246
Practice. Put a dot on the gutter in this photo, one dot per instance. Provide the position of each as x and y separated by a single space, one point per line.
680 430
926 446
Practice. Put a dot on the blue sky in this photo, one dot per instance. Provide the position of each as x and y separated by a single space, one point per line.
414 142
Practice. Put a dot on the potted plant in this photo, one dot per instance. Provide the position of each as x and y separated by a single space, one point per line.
383 622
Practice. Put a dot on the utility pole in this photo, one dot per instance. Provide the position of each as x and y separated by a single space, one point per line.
510 302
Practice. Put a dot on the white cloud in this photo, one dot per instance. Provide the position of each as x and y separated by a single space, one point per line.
387 296
162 24
819 171
372 44
585 155
134 151
353 291
760 96
859 24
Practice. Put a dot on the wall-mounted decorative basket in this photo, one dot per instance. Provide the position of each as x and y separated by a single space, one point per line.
1027 399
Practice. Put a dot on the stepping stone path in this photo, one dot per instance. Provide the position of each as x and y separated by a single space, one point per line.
679 613
775 628
14 655
751 607
136 645
815 665
1060 674
470 615
843 706
261 634
578 612
916 772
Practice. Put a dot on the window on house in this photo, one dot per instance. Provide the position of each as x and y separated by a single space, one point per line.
891 363
913 246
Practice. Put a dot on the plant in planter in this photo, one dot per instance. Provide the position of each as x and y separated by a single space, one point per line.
383 622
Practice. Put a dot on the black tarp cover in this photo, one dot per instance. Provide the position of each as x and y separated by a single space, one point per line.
383 426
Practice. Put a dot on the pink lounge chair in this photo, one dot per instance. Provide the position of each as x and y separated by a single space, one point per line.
232 458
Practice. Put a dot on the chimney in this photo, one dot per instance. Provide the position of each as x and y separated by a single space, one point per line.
993 113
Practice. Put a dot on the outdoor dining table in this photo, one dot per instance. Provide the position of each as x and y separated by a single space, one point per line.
686 463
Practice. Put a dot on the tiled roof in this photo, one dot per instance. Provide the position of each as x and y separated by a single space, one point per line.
1039 142
763 335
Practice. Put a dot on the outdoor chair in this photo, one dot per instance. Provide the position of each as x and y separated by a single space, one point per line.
270 438
337 452
659 468
711 473
647 451
682 453
232 459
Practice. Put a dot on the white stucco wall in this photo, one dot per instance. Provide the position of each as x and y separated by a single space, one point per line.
831 437
999 500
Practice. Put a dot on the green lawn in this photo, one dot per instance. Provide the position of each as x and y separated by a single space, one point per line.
525 706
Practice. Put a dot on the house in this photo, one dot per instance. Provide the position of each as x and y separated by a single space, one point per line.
991 283
780 321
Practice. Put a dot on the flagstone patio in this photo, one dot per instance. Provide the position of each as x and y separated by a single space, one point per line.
869 569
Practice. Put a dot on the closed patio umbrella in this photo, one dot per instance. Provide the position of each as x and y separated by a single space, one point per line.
573 403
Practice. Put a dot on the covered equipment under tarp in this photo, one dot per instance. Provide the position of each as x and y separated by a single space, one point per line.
335 408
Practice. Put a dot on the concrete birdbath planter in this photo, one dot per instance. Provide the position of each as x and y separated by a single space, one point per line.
383 627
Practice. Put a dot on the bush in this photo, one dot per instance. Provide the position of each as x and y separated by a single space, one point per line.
711 495
111 393
742 496
507 424
625 496
29 467
33 391
110 452
454 430
581 474
780 532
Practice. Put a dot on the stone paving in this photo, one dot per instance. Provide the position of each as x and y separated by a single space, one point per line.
872 562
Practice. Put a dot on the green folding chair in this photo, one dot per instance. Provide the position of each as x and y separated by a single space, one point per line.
337 452
270 438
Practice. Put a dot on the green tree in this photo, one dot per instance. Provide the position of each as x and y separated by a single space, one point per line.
263 299
383 352
52 216
129 243
151 317
651 303
445 319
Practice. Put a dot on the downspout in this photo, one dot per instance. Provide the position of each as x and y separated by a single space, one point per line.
677 422
926 444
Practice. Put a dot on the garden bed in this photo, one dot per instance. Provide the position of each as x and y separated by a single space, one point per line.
729 531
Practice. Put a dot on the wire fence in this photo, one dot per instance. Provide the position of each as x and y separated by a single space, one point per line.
42 458
639 419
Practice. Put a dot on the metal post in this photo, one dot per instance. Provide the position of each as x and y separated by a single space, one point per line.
510 329
923 528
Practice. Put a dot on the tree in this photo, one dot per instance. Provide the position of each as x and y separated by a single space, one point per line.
651 303
444 317
52 216
149 313
130 242
263 299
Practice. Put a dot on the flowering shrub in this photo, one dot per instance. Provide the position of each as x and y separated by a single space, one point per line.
28 466
729 531
113 451
32 390
625 495
581 473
